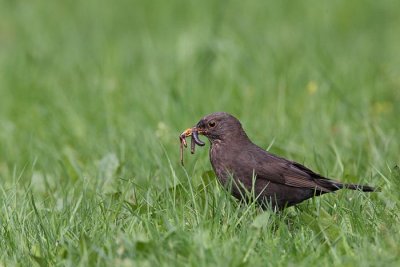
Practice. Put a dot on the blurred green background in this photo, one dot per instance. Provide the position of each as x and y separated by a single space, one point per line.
95 93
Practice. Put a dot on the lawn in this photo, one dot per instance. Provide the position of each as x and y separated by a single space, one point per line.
93 96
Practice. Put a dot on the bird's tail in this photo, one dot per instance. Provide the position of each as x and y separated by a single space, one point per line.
336 185
361 187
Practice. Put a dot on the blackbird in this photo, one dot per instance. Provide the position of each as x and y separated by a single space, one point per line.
247 170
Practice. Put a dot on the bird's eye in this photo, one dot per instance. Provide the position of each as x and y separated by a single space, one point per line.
211 124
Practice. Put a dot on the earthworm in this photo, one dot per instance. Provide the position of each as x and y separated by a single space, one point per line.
195 136
193 132
192 144
182 139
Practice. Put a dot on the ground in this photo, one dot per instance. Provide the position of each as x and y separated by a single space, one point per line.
93 96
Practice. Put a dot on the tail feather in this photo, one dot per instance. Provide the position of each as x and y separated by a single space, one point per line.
336 185
364 188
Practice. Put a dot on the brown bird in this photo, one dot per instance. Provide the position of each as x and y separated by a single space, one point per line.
249 171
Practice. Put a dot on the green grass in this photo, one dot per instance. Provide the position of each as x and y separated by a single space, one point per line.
93 95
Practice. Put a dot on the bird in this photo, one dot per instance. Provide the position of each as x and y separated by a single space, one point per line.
248 171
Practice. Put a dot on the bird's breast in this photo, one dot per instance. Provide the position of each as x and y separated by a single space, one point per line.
220 160
215 150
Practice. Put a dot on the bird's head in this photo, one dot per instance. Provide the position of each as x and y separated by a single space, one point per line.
220 126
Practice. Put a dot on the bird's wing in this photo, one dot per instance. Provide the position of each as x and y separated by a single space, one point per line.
279 170
297 175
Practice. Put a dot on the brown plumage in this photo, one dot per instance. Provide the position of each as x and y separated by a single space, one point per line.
272 179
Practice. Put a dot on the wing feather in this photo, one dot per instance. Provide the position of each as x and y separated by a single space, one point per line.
279 170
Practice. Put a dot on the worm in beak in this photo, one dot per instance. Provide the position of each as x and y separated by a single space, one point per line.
194 133
195 136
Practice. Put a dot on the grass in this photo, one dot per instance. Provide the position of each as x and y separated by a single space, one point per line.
93 95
